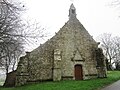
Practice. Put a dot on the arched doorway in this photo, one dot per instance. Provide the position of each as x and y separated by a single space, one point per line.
78 72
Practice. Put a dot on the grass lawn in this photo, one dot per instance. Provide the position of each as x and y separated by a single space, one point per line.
93 84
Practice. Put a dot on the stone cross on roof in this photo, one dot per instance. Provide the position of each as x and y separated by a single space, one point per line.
72 12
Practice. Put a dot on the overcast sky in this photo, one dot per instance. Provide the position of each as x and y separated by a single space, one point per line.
97 16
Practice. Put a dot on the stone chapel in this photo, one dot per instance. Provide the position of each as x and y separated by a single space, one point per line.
72 54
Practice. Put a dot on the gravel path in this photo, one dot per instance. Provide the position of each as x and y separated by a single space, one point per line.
114 86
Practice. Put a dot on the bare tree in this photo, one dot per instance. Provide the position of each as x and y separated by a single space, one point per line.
111 47
14 33
115 3
116 41
10 24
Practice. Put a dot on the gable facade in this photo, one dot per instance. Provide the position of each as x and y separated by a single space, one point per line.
69 55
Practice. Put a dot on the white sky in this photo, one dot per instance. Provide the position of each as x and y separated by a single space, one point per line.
97 16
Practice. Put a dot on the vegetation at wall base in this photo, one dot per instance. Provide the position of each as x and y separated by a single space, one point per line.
93 84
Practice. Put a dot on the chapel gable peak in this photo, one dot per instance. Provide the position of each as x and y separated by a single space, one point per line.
72 11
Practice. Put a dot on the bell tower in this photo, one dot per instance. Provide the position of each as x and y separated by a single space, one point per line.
72 12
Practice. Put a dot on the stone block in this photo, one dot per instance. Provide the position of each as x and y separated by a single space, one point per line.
56 74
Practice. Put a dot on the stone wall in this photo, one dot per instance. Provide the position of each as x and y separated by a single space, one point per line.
57 65
101 64
22 71
56 58
45 62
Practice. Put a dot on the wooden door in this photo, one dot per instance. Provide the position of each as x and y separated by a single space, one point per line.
78 72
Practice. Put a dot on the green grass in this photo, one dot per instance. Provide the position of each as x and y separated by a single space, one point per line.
93 84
